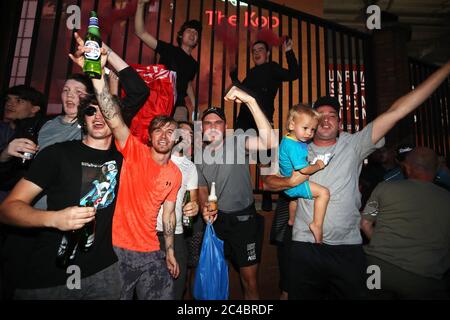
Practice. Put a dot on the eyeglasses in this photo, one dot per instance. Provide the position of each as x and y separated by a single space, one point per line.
90 111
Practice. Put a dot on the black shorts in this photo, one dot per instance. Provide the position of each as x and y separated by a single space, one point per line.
242 233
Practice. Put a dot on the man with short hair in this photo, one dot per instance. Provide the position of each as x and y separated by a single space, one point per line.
337 268
408 225
66 172
180 156
237 222
23 117
178 59
264 79
149 180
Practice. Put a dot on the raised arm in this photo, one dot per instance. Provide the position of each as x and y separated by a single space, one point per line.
136 91
169 223
266 138
111 111
408 103
191 95
139 28
16 210
293 71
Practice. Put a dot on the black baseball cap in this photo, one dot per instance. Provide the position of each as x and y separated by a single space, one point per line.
215 110
327 101
402 151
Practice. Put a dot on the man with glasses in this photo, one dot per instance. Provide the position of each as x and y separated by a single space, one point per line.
66 172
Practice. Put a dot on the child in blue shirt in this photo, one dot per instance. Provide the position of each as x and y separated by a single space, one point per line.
301 124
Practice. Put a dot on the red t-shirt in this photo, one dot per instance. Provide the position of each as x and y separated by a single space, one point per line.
144 186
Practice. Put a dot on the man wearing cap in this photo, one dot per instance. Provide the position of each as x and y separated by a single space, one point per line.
178 59
442 178
337 268
225 161
396 174
408 224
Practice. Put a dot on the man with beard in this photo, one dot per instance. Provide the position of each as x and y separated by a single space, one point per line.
149 179
226 162
337 268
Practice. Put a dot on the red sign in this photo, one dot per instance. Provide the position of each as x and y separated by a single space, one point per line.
344 77
249 20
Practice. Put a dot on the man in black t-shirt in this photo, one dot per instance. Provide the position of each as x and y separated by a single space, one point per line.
264 79
178 59
69 173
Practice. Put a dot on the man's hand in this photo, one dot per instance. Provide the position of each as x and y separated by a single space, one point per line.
297 178
172 264
287 44
190 209
238 95
78 56
72 218
17 147
209 215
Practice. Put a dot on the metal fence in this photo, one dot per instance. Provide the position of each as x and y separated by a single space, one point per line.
333 59
431 120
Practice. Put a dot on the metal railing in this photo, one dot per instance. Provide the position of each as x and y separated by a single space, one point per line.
431 120
333 59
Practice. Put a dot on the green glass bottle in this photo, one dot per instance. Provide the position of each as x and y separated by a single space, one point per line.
92 60
187 221
67 249
87 233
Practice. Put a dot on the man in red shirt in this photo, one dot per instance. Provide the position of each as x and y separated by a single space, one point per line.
148 180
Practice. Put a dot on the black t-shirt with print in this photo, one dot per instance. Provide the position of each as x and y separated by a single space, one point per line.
70 173
175 59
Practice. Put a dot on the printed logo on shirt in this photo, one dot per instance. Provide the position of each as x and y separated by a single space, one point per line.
326 157
98 183
251 252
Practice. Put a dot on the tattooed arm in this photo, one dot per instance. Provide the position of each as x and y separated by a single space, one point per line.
169 223
111 111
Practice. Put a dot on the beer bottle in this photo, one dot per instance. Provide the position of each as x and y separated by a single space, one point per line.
30 133
67 249
92 60
87 233
187 221
212 198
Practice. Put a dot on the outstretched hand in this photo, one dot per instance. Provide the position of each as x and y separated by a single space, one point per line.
78 56
287 44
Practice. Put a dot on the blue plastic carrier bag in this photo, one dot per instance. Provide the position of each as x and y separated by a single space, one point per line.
211 276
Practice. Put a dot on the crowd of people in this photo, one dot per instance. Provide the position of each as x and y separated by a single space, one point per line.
88 169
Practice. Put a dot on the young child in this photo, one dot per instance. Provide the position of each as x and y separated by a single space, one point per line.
301 124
